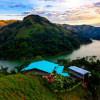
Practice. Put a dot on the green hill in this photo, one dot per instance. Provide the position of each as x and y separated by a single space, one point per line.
36 35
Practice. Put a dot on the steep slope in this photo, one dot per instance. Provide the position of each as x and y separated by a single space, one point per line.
23 87
36 35
31 87
6 22
84 30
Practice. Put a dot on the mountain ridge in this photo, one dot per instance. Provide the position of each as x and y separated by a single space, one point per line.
84 30
36 35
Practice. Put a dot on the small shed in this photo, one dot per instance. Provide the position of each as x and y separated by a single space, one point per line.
79 73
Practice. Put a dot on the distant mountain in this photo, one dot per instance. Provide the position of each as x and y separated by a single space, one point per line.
6 22
36 35
84 30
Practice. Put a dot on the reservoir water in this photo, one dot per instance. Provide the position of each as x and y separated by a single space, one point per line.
92 49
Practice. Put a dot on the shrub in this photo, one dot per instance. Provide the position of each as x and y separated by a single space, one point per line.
12 71
57 83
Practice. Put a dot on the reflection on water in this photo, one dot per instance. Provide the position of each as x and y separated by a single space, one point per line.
85 50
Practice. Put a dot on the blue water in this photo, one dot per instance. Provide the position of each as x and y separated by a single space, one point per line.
85 50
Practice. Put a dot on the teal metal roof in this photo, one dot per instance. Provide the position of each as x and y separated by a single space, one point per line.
46 67
64 74
89 74
59 69
42 65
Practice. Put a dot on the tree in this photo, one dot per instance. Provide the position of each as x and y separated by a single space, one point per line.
3 70
91 64
38 58
18 68
12 71
57 83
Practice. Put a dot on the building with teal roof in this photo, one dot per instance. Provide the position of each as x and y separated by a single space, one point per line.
44 68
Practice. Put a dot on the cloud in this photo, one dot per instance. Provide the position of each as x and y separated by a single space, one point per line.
96 24
2 5
51 15
98 11
37 11
49 6
47 0
20 6
62 11
15 5
54 0
88 13
97 4
12 14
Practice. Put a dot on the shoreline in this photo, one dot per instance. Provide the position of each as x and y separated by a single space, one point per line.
2 58
5 58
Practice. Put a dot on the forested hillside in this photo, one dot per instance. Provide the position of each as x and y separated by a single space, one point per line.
84 30
36 35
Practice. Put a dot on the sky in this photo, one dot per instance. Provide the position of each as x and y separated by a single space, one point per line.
73 12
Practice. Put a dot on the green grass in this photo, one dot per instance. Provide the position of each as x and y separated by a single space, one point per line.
79 93
31 87
25 31
23 87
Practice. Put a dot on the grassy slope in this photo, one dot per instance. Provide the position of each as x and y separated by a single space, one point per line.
79 93
27 87
23 87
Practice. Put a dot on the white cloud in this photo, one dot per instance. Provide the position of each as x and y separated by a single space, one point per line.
63 11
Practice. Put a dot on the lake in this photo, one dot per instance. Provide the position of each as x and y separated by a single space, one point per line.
84 50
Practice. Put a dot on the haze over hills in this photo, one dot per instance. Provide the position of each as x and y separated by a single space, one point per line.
36 35
84 30
6 22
